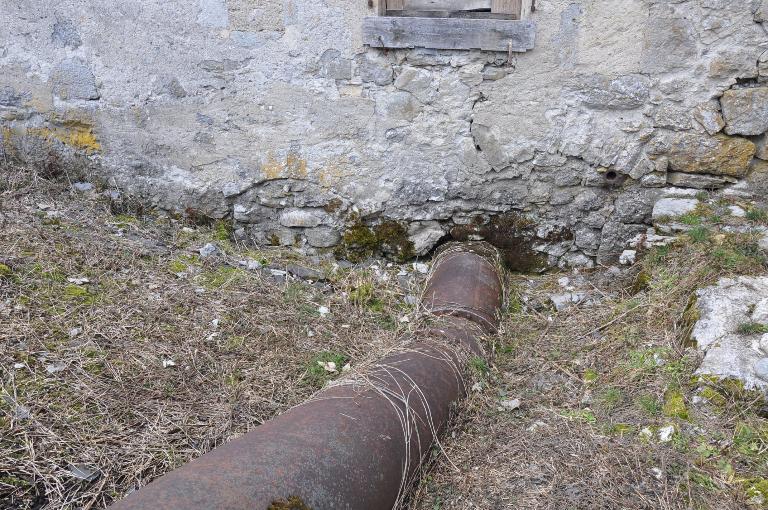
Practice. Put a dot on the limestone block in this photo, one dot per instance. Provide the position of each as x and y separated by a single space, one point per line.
65 34
332 64
322 237
424 235
418 82
709 117
698 181
727 352
301 218
670 208
745 111
376 68
601 92
72 79
716 155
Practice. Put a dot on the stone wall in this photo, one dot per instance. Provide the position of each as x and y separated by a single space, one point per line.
273 114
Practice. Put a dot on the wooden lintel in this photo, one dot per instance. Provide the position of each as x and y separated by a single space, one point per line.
449 33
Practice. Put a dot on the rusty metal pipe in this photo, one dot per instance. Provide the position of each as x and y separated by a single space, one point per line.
360 443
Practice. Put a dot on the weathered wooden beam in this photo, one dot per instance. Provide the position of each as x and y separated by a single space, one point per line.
448 5
507 7
449 33
451 14
526 9
395 5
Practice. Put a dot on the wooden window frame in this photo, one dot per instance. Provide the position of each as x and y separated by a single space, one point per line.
493 25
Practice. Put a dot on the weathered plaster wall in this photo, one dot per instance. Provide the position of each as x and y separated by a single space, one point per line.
273 113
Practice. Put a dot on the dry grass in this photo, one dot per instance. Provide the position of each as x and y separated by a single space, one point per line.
86 361
590 379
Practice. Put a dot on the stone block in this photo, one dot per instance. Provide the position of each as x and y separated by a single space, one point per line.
376 68
671 208
322 237
601 92
73 79
710 118
424 236
715 155
65 34
418 82
745 111
332 64
698 181
301 218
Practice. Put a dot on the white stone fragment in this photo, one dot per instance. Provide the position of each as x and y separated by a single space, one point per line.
209 250
671 208
722 309
421 267
628 257
510 404
666 433
328 366
737 211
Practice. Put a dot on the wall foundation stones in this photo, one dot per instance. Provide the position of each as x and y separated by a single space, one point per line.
273 115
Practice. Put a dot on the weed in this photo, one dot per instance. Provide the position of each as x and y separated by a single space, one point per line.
590 375
620 429
479 366
699 234
703 480
317 375
585 415
650 404
221 277
222 231
749 440
757 215
691 219
752 328
611 398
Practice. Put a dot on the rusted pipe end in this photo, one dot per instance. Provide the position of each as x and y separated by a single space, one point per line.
466 282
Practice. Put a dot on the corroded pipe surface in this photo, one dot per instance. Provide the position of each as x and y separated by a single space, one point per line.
360 443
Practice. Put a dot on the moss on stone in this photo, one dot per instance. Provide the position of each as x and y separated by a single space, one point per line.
360 242
292 503
5 271
713 396
392 237
674 405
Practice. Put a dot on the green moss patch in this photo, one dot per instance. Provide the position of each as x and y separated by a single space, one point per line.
360 242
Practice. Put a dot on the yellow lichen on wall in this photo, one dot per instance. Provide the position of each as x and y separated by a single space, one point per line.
75 133
334 170
294 167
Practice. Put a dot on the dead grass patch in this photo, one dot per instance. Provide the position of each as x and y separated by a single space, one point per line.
125 354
